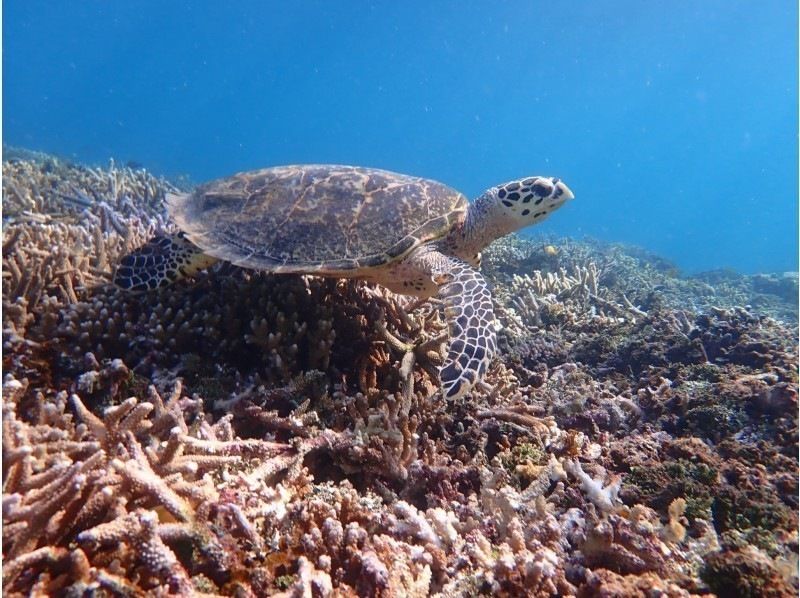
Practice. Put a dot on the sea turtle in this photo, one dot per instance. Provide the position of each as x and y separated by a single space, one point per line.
412 235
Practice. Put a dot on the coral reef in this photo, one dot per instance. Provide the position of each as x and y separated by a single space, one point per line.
244 434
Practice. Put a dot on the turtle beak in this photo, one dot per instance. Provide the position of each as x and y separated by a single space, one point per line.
561 191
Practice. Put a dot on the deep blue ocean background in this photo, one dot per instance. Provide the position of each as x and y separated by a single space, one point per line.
674 122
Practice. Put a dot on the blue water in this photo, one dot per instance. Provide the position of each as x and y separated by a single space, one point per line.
674 122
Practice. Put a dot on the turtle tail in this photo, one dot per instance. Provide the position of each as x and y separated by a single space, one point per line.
160 262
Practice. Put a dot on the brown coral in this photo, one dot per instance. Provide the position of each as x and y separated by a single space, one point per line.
136 475
623 443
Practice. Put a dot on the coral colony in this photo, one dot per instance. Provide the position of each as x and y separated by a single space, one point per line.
244 434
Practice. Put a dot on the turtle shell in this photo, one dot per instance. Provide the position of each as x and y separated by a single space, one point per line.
324 219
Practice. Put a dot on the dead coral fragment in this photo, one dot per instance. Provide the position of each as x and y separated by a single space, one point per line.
675 531
604 496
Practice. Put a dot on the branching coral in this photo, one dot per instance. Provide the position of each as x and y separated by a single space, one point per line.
66 227
136 476
246 434
551 299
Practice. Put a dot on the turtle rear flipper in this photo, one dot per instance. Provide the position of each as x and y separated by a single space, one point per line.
160 262
470 321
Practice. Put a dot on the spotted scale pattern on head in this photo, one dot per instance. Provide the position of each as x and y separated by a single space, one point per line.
470 321
160 262
504 209
533 198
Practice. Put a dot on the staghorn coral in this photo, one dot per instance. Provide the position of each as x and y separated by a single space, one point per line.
547 300
137 475
632 275
47 186
65 226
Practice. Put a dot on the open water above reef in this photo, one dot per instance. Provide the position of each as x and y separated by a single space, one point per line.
675 123
247 434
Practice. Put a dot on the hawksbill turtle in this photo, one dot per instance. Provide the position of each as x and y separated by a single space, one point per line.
412 235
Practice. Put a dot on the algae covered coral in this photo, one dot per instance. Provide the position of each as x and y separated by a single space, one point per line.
248 434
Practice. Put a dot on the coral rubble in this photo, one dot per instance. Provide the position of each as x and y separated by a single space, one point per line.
247 435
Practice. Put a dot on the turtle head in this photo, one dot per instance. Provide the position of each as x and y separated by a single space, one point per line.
527 201
511 206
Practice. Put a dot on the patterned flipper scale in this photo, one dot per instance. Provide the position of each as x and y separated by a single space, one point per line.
470 321
160 262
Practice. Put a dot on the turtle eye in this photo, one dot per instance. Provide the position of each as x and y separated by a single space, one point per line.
542 188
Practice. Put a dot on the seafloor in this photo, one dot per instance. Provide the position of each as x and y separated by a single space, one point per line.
252 435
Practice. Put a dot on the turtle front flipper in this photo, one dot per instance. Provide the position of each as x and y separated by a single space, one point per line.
160 262
470 321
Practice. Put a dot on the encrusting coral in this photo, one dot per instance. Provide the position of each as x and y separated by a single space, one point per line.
249 435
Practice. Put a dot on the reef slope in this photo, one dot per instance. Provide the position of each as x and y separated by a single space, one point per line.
248 435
